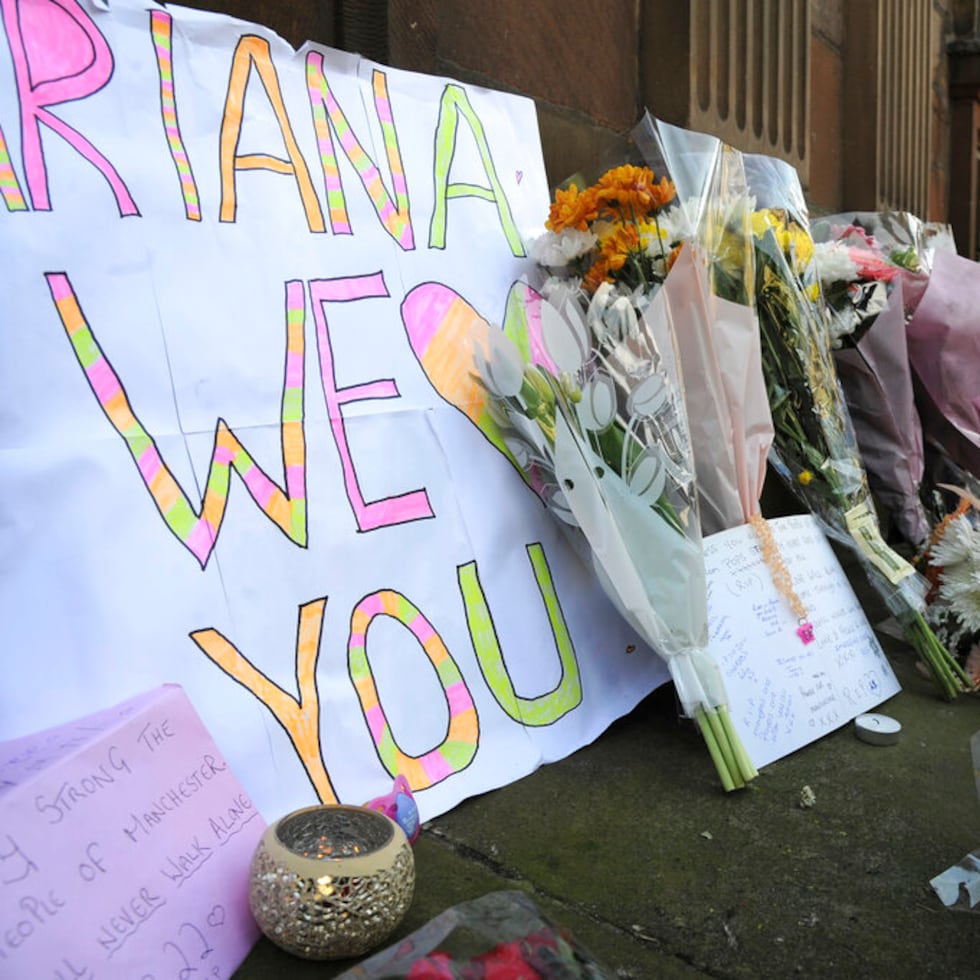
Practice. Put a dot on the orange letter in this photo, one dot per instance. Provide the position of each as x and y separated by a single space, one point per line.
300 719
255 50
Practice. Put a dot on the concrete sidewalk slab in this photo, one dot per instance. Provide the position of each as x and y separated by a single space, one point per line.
631 844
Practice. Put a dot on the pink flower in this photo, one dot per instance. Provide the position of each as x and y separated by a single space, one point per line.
506 962
436 966
855 233
872 266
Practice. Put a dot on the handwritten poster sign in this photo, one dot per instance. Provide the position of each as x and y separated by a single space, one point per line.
784 694
224 462
125 842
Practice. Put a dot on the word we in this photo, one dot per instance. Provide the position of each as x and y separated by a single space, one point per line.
286 507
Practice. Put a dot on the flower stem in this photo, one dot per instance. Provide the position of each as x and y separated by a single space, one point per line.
727 751
745 765
946 670
714 749
718 730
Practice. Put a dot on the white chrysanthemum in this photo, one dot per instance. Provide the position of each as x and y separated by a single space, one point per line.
959 544
833 262
655 247
960 587
554 251
559 290
957 554
658 256
676 224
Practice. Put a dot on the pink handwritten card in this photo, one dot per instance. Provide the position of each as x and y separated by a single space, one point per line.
125 843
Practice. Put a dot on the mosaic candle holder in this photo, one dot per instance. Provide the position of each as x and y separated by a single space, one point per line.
330 882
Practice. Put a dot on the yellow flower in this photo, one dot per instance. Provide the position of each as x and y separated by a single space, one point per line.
762 221
794 241
805 477
802 246
650 237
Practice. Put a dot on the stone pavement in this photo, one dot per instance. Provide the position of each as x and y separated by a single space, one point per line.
632 846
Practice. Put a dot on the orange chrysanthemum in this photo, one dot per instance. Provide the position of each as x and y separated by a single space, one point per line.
572 208
634 190
616 247
596 276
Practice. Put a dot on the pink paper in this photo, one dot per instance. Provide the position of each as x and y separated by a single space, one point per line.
125 846
944 349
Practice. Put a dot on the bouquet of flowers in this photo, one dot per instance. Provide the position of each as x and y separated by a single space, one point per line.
856 249
856 279
594 413
500 936
865 289
815 449
711 291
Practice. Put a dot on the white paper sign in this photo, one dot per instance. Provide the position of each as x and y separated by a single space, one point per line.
784 694
225 458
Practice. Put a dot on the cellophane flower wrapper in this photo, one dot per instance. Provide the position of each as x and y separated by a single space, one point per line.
876 378
857 279
597 420
815 449
865 295
713 297
594 412
944 350
499 936
905 438
711 293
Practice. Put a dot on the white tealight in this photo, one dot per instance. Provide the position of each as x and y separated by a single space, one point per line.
877 729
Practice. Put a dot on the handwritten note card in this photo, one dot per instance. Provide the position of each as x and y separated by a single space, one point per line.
125 842
783 693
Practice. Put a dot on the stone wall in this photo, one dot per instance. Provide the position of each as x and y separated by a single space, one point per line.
592 66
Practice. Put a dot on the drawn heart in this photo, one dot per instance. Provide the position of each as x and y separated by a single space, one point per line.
216 917
519 175
445 331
